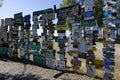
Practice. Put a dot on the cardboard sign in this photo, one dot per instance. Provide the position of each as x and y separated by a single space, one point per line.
61 65
61 27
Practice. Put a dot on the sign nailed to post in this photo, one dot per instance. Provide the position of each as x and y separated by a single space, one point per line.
18 18
68 11
88 24
49 10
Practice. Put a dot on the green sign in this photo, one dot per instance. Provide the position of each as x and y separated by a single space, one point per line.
88 24
61 21
18 18
49 10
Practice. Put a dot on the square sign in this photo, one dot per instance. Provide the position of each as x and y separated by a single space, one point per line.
8 21
18 18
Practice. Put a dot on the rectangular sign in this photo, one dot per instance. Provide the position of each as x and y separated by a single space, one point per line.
61 65
18 18
8 21
88 15
50 63
61 27
88 24
61 40
49 10
68 11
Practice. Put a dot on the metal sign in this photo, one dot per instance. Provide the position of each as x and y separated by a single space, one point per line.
61 65
68 11
49 10
27 18
18 18
88 24
90 70
88 15
61 40
61 22
8 21
50 63
75 52
98 64
61 27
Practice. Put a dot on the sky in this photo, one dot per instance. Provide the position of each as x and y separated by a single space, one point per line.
10 7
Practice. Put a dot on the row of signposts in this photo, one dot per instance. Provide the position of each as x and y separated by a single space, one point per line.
109 42
81 44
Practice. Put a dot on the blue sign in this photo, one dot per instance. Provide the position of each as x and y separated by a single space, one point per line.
88 15
61 40
27 18
107 14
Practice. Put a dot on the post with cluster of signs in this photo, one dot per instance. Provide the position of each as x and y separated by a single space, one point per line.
18 21
9 23
109 41
89 21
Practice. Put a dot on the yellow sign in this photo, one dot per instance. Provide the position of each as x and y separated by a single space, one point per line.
75 43
93 49
61 27
98 64
106 28
106 43
75 52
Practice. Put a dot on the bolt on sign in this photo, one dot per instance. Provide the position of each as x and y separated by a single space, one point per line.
68 11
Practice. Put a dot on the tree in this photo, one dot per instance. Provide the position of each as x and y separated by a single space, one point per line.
66 3
99 12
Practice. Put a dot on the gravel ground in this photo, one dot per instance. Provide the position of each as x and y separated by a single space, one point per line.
11 70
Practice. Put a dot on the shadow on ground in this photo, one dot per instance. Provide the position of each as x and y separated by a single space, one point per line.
19 77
